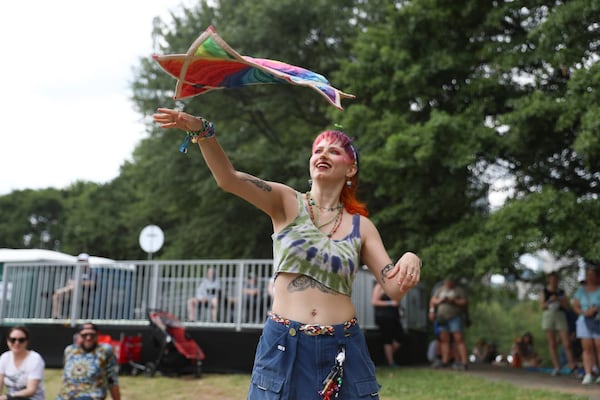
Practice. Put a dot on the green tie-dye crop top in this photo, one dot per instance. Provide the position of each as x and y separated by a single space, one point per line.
303 249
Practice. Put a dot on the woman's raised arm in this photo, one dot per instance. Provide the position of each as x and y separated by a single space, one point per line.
267 196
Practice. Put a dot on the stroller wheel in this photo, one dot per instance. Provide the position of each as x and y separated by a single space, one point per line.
198 369
150 369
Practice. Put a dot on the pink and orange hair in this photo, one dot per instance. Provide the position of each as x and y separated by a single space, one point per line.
348 195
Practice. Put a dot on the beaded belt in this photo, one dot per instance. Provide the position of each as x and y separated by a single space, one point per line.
312 329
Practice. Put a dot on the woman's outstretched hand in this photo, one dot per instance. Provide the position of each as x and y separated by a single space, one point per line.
168 118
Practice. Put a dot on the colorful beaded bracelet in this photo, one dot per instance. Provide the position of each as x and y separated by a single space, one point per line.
207 130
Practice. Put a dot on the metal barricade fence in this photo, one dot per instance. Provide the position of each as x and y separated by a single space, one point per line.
123 292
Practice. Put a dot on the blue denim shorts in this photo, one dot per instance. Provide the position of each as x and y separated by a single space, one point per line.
584 331
291 364
454 324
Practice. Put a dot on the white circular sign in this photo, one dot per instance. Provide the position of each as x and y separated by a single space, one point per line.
151 238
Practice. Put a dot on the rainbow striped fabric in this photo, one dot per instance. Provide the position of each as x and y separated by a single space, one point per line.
211 63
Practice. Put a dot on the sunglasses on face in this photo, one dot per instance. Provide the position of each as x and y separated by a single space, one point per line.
87 335
17 339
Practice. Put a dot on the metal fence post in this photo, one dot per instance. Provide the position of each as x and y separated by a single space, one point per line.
4 293
154 279
76 296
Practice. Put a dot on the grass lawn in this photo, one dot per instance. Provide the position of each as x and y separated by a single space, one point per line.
402 383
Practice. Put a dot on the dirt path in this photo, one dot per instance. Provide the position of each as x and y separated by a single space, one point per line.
536 380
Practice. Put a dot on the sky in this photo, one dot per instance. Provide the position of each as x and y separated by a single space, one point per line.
65 77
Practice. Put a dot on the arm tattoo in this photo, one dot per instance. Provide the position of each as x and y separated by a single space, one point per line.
259 183
384 272
304 282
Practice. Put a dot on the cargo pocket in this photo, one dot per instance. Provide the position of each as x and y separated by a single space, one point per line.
271 354
265 386
367 389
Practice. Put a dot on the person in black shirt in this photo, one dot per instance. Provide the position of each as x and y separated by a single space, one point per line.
387 318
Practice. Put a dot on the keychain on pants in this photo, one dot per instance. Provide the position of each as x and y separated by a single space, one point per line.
332 384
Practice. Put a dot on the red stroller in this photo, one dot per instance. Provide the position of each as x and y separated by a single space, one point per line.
178 351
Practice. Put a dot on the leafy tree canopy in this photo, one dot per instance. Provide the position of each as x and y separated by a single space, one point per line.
452 98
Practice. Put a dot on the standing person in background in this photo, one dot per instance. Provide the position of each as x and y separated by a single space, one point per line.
586 303
21 369
447 308
575 344
387 318
90 369
555 303
311 346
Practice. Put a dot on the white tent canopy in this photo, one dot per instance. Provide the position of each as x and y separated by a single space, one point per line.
42 255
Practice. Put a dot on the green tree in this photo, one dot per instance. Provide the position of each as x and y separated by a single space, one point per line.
101 220
32 219
263 128
453 95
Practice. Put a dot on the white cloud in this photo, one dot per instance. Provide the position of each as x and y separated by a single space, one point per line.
66 70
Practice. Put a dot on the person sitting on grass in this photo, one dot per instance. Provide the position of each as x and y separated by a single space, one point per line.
524 352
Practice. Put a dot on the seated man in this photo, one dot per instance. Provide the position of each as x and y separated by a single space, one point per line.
207 293
249 298
87 280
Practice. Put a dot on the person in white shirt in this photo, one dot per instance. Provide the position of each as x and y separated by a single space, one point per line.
21 369
207 293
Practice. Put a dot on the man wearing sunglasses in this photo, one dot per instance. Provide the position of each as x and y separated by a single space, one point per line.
90 368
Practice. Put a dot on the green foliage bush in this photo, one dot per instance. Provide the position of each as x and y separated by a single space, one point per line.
500 322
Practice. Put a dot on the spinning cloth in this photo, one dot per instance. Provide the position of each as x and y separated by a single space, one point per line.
211 64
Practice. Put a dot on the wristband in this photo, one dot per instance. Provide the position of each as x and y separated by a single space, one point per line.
207 130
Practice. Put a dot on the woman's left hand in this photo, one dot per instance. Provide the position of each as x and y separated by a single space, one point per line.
168 118
407 271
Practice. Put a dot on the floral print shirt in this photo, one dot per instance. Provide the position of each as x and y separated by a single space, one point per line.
88 375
